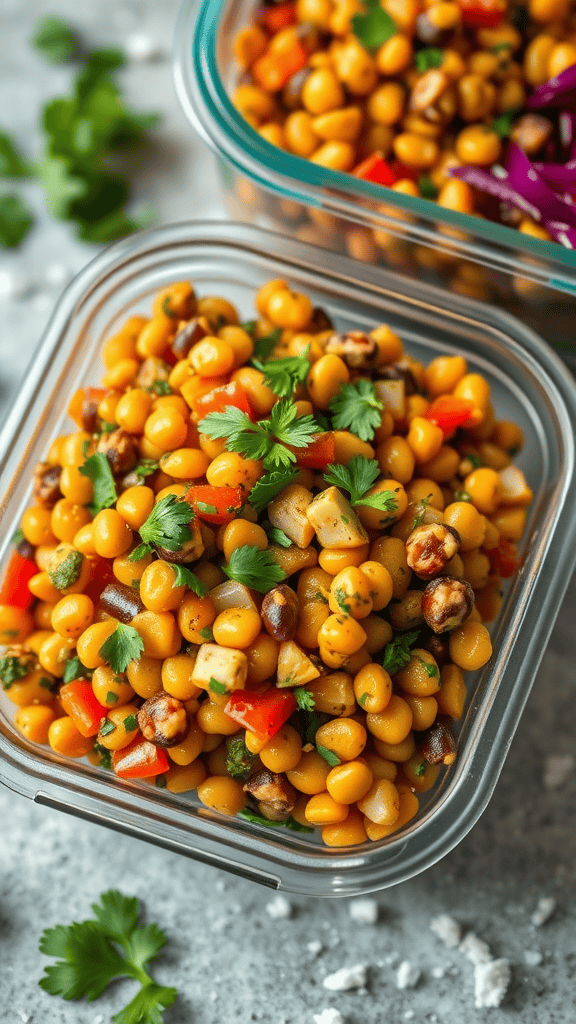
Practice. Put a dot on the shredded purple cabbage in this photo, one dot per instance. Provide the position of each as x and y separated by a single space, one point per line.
557 92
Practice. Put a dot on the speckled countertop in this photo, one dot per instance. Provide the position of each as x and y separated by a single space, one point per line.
231 959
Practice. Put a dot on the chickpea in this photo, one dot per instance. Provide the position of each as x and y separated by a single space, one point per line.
477 144
322 92
415 151
345 737
373 688
387 104
470 646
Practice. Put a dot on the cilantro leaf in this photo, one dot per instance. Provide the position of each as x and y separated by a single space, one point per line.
269 486
289 427
357 478
166 526
17 537
247 815
427 187
502 124
266 440
254 568
263 346
216 686
429 57
397 652
239 760
16 220
97 469
68 571
122 646
12 669
74 669
55 39
328 755
374 27
186 578
276 536
161 387
284 375
114 945
11 163
145 468
304 698
356 408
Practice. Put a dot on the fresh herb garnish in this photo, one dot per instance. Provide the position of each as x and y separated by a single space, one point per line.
257 819
67 573
427 187
265 440
216 686
74 669
502 124
111 698
12 669
97 469
256 569
122 646
48 684
276 536
362 700
304 698
239 760
420 769
161 387
500 48
55 39
282 376
357 478
105 756
16 220
145 468
269 486
328 755
431 670
17 537
419 517
186 578
91 954
429 57
462 496
166 526
397 652
207 633
130 723
12 165
356 408
373 27
106 728
264 346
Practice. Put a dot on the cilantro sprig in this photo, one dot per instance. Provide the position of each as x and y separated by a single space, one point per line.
356 408
263 346
269 486
304 698
166 526
257 819
429 57
256 569
186 578
502 124
282 376
239 760
12 669
329 756
74 669
93 953
16 220
12 164
373 27
122 646
97 469
397 653
357 478
265 440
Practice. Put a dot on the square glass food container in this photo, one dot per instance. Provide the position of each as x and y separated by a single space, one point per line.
530 385
535 280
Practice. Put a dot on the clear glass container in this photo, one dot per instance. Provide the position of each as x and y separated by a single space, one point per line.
529 384
535 280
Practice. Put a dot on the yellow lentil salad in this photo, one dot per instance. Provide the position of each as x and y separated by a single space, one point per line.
469 103
259 566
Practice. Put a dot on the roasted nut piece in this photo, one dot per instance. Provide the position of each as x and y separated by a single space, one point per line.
428 89
151 371
280 609
320 321
120 601
446 602
120 450
358 350
190 551
89 412
163 720
292 92
398 371
438 744
187 336
428 548
531 132
437 646
275 795
46 488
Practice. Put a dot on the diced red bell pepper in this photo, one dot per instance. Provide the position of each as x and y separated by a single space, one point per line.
449 412
216 504
140 760
319 453
221 398
278 17
402 171
274 69
14 589
375 168
482 13
261 713
102 575
78 700
504 558
83 402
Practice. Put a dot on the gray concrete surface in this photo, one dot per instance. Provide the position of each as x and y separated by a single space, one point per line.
229 959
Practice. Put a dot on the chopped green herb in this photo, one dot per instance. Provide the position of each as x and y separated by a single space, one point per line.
373 27
207 633
161 387
304 698
55 39
17 537
11 163
48 684
282 376
207 509
429 57
106 428
357 478
97 469
239 760
270 486
420 769
341 600
186 578
12 669
427 187
105 756
67 573
501 48
92 954
256 569
111 698
462 496
419 517
263 347
106 728
257 819
328 755
122 646
474 460
397 652
502 124
362 700
356 408
276 536
16 220
166 526
130 723
145 468
266 439
216 686
74 669
431 670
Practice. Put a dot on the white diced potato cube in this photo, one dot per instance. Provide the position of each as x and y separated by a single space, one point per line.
335 521
218 667
514 489
287 512
294 666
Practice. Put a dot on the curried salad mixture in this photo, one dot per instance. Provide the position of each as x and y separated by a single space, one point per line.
470 103
260 564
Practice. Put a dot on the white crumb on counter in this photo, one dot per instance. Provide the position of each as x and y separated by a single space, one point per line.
57 275
556 770
409 1015
364 911
98 1020
14 284
544 910
279 908
328 1016
475 949
447 929
532 957
407 975
314 947
438 972
346 978
491 982
141 47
